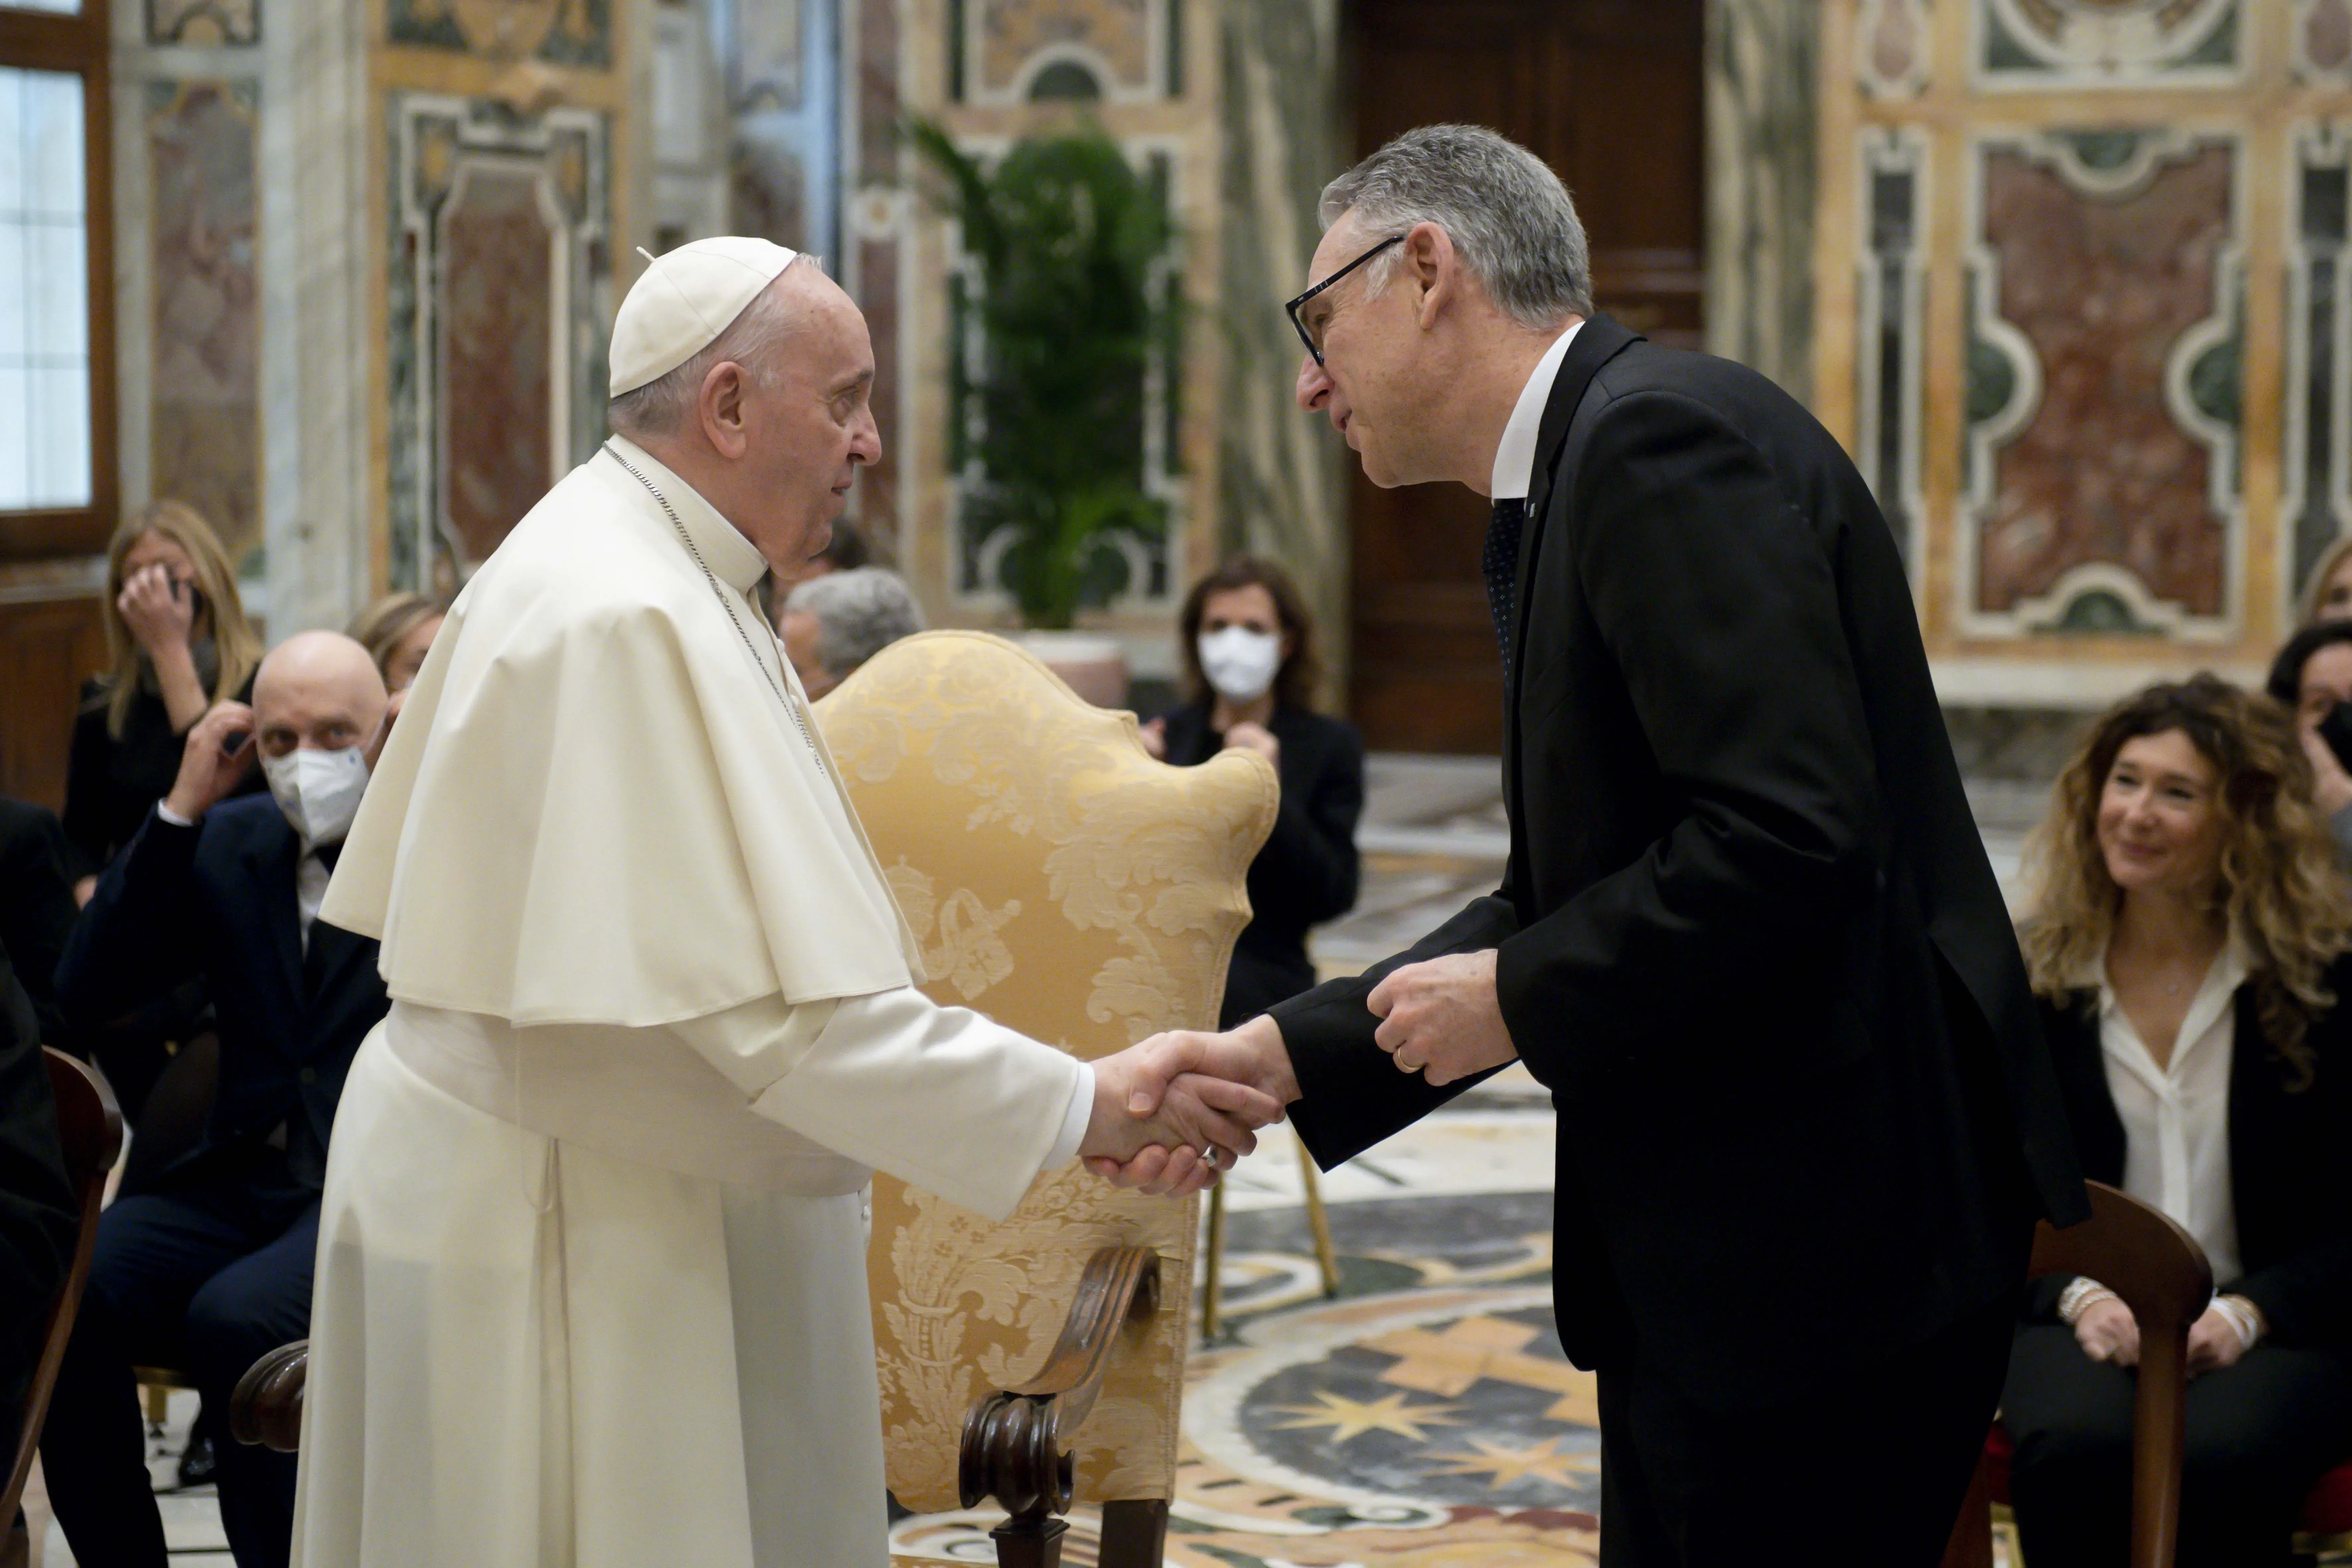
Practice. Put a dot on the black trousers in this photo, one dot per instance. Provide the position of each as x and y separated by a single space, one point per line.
207 1276
1867 1471
2260 1434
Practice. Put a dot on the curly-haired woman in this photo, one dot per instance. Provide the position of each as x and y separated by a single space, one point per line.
2188 940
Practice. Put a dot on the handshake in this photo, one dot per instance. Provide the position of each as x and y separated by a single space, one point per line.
1172 1111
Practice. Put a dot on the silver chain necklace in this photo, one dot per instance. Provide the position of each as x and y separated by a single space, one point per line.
720 594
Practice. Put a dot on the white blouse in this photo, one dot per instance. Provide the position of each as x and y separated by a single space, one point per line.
2177 1117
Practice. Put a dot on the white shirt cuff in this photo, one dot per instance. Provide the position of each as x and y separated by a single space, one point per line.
173 817
1075 1118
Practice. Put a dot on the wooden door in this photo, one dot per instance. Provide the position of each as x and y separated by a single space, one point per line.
1608 93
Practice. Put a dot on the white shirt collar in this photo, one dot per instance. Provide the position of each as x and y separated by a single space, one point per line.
2215 996
1515 459
732 558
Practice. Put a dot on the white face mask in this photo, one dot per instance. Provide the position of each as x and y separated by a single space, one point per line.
1239 662
318 791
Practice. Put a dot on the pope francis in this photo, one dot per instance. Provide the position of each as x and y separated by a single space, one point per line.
590 1287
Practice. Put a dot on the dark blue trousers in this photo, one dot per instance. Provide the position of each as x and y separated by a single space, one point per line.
206 1275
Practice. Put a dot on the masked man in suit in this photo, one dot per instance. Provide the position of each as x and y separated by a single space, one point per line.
211 1266
1748 935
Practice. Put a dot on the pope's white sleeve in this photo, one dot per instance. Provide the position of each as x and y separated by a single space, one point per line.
940 1097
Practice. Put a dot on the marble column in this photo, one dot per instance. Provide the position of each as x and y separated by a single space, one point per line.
1762 85
1281 487
318 243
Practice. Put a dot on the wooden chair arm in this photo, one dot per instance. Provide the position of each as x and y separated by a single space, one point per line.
1014 1440
267 1409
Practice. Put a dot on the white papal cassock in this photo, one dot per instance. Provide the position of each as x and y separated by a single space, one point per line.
591 1285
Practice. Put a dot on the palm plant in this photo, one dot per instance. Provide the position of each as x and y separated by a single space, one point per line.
1067 237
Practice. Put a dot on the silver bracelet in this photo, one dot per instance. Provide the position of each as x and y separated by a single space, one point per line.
2241 1317
2079 1296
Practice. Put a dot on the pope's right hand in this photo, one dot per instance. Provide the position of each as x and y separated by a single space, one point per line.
1211 1122
1251 1056
218 754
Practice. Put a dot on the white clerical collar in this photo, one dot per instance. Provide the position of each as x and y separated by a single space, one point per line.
732 559
1515 459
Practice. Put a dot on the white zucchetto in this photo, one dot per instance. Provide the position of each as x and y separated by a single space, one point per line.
681 303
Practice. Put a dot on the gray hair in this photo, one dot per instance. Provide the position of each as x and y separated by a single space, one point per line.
1509 217
858 613
661 406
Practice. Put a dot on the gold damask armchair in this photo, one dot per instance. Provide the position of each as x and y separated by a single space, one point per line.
1067 884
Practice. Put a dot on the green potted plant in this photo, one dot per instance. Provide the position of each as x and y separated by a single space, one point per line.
1050 410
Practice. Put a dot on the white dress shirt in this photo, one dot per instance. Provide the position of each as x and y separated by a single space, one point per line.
2177 1117
1515 459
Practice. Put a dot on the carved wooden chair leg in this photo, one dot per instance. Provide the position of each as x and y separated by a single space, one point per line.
1318 1220
1035 1542
1017 1441
1134 1533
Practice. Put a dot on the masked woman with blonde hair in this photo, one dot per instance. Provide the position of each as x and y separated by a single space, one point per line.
2186 939
177 642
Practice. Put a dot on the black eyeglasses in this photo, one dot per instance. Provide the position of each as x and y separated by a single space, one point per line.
1300 324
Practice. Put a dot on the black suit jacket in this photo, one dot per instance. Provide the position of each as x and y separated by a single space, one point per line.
1307 871
38 1211
217 900
1748 934
36 906
2290 1159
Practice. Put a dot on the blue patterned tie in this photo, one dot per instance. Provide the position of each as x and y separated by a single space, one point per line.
1501 564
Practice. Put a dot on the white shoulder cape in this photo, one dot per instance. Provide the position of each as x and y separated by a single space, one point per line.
594 809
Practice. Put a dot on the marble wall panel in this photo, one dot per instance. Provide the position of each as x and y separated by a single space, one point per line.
1891 290
765 65
2317 459
558 31
497 329
501 305
2039 45
2323 42
1012 50
2103 399
1896 56
204 22
204 382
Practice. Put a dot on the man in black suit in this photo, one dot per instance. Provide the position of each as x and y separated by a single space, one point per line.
1748 934
210 1266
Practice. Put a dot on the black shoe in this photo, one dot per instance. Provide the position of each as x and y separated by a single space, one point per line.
196 1462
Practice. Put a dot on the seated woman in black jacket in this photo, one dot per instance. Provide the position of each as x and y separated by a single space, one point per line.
2188 940
1249 662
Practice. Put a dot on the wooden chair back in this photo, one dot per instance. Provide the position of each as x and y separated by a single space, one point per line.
2161 1273
1065 883
90 1127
